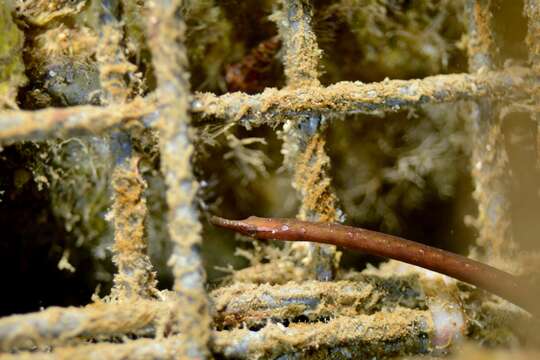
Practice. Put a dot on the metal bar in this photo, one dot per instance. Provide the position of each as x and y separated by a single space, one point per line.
114 68
305 105
384 333
302 54
489 158
135 275
235 305
273 105
165 35
380 335
141 349
72 121
262 273
250 305
481 45
354 346
532 10
60 325
303 138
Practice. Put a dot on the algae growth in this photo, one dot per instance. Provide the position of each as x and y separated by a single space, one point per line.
311 137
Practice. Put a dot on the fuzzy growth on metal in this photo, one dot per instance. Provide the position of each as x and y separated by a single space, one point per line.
97 112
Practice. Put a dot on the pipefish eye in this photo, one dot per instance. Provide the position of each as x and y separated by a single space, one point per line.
251 231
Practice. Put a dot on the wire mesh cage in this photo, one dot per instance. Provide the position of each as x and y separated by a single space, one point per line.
121 83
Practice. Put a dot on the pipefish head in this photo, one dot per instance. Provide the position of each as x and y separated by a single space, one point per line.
253 226
239 226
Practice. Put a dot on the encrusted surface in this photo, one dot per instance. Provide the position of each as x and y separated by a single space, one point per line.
40 12
489 158
390 333
252 304
165 33
129 59
356 97
135 275
59 326
304 137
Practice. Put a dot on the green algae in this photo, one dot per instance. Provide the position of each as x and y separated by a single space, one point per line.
11 63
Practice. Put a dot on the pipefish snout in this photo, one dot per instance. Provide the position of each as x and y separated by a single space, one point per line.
486 277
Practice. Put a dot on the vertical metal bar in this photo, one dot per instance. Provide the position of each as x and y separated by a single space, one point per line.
165 36
114 68
532 11
481 45
303 137
489 158
135 276
302 54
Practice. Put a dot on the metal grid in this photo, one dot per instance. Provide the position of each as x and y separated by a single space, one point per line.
177 324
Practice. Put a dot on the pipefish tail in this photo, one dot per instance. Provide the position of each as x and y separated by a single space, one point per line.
486 277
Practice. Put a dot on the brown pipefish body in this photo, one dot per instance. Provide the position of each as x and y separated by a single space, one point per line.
459 267
250 73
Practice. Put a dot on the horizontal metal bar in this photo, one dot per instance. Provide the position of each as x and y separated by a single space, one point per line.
252 304
385 333
234 305
274 104
141 349
403 331
16 125
57 325
357 97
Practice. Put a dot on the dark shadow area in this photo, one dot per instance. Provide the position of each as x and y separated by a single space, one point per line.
32 244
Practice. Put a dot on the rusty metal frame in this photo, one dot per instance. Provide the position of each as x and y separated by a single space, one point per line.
180 322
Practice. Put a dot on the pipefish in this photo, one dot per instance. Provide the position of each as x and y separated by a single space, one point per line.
498 282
